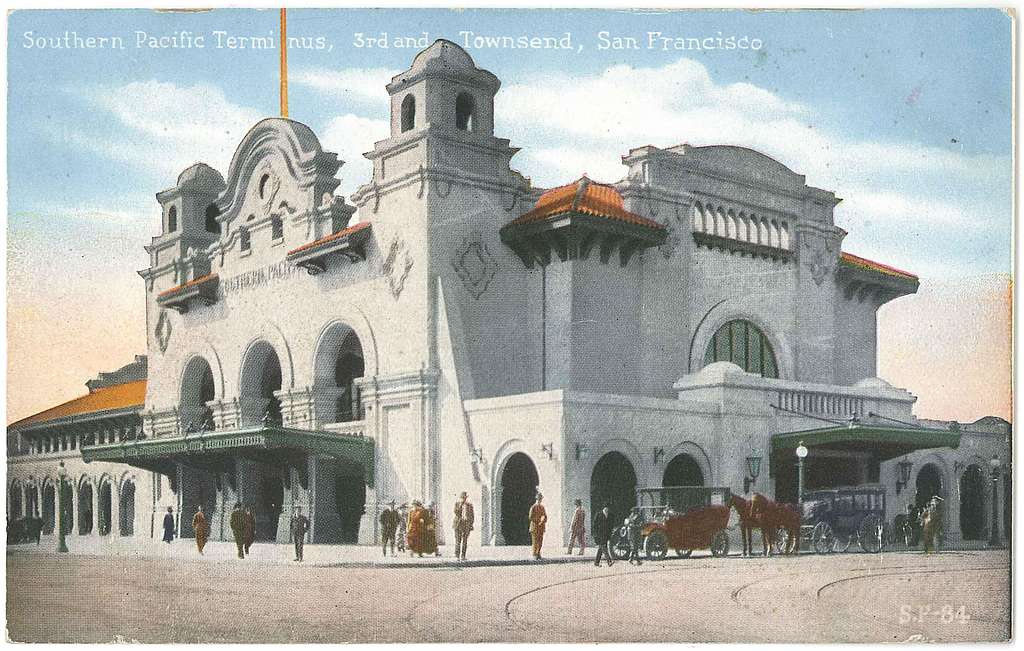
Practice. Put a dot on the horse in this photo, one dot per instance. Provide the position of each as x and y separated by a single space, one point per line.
748 522
783 516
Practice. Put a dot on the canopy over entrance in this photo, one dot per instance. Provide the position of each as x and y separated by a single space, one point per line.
215 450
883 441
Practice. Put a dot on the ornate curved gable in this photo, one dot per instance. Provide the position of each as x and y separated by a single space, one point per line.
278 169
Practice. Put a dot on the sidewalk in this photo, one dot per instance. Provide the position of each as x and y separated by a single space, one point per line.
319 555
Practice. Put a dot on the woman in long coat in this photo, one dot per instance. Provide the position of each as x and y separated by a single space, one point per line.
169 525
415 529
430 531
200 528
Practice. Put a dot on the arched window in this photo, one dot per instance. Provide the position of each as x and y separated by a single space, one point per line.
212 212
743 344
408 113
276 228
172 219
464 107
243 239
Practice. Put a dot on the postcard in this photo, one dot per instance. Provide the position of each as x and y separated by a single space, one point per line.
519 325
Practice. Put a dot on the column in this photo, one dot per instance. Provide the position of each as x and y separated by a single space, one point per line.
368 523
75 514
323 516
95 501
115 510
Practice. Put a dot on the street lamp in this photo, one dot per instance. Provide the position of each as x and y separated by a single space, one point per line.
801 454
904 477
62 546
994 541
753 469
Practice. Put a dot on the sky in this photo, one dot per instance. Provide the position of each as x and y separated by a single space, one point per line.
905 114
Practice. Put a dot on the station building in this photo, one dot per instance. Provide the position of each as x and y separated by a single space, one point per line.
690 324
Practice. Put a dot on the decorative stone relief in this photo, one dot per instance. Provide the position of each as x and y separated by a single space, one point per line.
474 265
267 191
396 266
818 256
163 330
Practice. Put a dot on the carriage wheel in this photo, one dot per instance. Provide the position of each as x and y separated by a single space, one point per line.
656 546
843 543
720 543
684 553
870 534
823 538
619 546
781 540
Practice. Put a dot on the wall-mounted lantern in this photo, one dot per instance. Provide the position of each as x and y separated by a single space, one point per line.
659 454
581 451
476 455
549 449
904 476
753 470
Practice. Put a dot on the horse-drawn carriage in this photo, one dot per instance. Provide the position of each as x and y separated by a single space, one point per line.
683 518
833 519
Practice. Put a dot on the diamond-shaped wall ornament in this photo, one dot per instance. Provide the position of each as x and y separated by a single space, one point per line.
474 265
163 330
396 266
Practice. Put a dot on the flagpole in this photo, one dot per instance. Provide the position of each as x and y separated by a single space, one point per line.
284 63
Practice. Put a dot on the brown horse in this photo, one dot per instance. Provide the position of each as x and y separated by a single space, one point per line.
781 516
748 522
774 516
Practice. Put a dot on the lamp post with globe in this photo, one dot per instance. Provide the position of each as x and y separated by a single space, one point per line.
801 454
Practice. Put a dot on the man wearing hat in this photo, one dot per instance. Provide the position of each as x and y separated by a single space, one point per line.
388 527
238 528
538 522
578 528
463 524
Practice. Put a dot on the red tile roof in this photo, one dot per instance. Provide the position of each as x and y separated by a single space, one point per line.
587 197
191 283
115 396
333 236
871 265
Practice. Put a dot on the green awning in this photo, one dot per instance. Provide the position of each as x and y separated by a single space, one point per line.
886 442
213 449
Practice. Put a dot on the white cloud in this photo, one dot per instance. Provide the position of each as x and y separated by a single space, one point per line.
349 85
350 136
163 128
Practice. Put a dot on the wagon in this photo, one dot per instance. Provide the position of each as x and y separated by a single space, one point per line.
682 518
833 519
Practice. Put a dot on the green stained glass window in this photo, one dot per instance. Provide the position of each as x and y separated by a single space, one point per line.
743 344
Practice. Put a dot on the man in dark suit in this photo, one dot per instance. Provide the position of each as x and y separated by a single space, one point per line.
602 533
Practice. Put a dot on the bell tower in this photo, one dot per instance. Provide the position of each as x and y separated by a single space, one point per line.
443 90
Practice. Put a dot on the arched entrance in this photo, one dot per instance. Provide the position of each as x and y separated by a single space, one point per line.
261 377
929 484
105 508
16 512
49 510
339 362
613 484
972 503
127 510
197 389
349 500
519 481
683 470
84 508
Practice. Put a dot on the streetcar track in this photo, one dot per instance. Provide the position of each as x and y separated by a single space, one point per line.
932 571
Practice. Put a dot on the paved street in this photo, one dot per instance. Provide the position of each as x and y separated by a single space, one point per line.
954 596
